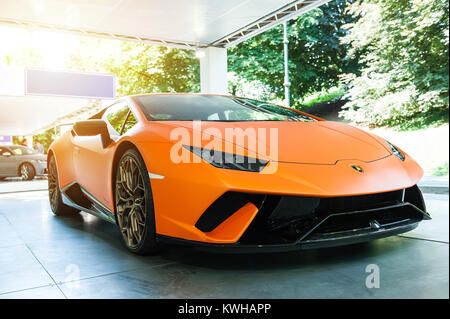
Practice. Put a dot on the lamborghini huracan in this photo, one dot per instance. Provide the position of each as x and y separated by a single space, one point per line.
165 169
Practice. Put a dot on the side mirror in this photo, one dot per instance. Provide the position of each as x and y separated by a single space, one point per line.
92 128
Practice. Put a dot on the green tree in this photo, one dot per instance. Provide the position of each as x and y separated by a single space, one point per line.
316 56
153 69
403 46
142 68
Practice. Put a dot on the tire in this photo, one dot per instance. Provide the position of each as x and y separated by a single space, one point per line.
54 193
133 204
27 172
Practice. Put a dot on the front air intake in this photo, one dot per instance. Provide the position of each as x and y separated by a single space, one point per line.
225 206
288 219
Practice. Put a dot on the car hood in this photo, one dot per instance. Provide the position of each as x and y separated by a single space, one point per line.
320 142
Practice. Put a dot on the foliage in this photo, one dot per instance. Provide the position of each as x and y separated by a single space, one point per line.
441 170
152 69
239 86
144 68
322 96
403 46
19 140
316 57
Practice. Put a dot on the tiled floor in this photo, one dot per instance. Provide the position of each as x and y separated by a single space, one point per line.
43 256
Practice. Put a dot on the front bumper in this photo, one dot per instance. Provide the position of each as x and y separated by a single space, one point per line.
293 223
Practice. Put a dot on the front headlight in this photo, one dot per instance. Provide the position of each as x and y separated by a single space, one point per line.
396 151
228 160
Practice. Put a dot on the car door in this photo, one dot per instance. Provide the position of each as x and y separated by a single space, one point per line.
8 162
92 161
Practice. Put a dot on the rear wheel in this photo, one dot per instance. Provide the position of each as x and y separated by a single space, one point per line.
54 193
134 204
27 172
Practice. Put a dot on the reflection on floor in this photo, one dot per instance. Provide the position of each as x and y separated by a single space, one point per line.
43 256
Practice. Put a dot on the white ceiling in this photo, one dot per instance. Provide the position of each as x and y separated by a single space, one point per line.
183 22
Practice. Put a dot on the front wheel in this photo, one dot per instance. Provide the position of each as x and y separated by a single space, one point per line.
133 202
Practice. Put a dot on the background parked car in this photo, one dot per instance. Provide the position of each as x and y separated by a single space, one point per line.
16 160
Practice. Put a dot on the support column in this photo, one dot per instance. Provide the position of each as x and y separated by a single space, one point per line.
287 83
213 70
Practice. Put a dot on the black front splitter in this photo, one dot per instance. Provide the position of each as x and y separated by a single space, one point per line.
348 239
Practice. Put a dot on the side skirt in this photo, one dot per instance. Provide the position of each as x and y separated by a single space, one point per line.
78 197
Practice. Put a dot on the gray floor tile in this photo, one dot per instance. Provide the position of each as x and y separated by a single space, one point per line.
20 270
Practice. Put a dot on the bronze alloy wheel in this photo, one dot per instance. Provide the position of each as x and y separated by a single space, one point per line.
134 204
130 201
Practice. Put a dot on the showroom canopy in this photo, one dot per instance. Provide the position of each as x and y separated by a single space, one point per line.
180 23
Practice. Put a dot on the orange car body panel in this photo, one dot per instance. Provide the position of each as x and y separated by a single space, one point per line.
314 159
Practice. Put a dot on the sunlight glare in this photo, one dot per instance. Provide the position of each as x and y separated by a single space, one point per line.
54 47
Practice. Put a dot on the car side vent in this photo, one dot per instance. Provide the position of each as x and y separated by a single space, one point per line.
225 206
75 194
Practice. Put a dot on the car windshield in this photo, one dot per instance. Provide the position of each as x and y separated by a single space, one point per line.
21 150
166 107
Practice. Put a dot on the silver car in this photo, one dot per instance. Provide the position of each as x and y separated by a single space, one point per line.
16 160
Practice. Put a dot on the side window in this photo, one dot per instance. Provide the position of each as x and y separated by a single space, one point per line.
115 117
131 121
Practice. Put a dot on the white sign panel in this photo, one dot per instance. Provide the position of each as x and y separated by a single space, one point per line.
71 84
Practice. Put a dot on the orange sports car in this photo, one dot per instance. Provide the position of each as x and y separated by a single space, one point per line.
231 173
